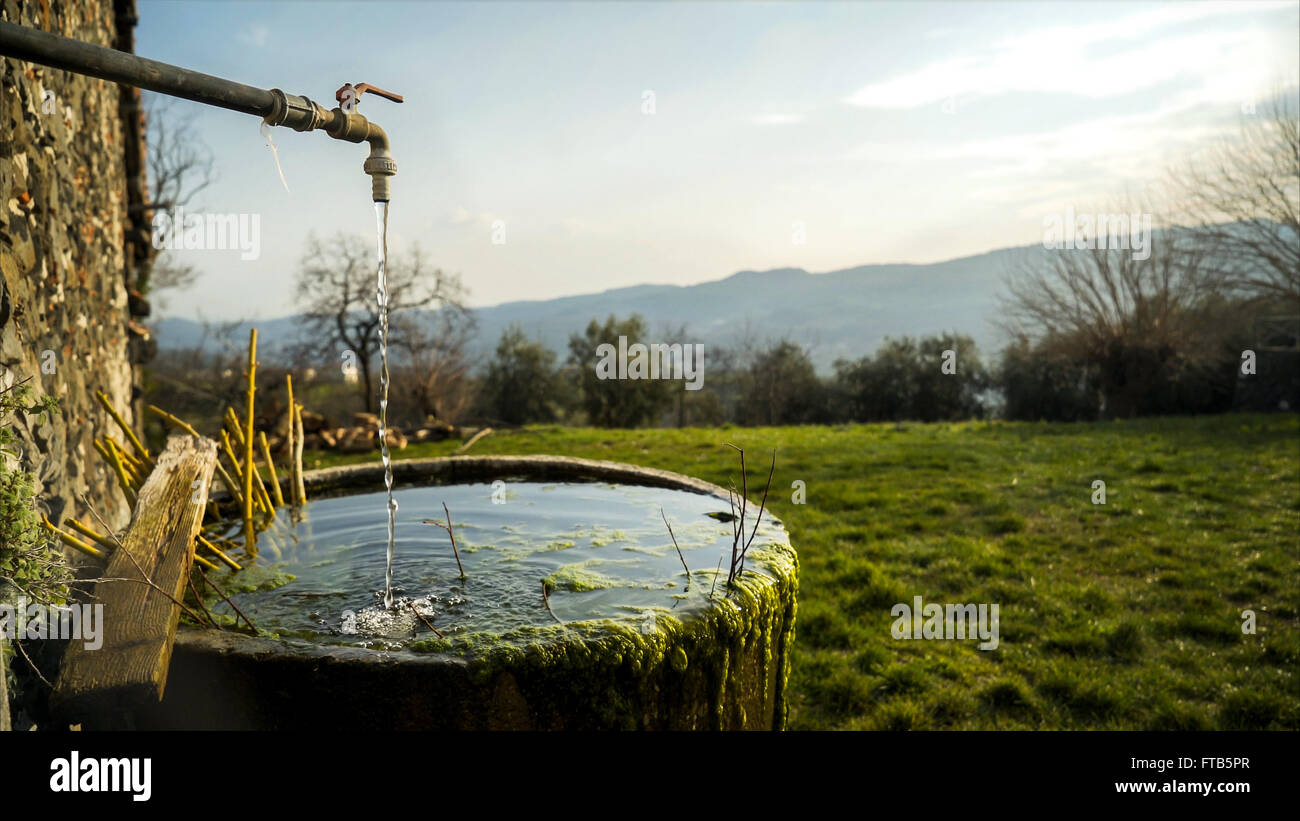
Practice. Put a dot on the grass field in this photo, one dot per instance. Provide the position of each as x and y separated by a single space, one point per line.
1119 616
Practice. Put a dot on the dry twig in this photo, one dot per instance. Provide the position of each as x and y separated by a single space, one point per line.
679 550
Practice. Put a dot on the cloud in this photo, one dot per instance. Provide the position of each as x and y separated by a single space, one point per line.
463 216
1134 145
1094 60
777 119
254 35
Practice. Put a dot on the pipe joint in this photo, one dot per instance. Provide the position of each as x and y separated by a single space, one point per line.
296 112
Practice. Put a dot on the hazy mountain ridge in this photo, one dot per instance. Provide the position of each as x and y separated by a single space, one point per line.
838 314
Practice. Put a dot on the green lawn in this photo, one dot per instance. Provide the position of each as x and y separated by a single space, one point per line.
1122 616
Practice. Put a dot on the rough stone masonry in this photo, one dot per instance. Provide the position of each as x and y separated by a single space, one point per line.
71 203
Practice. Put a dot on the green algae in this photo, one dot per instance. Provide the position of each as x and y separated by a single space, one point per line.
579 578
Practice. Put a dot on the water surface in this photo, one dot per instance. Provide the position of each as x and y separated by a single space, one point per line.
603 549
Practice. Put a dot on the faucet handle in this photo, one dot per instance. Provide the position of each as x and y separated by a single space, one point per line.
361 88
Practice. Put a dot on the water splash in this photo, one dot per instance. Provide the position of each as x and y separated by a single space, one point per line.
275 153
381 221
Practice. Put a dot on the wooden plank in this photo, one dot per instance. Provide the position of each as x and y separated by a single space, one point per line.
101 687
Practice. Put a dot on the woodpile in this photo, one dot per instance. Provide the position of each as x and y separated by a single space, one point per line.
362 436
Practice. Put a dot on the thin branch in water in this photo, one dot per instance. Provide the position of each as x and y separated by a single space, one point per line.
745 552
679 550
546 600
213 622
427 623
223 595
452 533
716 574
738 529
735 534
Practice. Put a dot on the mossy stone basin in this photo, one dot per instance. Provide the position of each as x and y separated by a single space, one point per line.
626 640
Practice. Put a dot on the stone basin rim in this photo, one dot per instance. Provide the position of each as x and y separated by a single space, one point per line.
433 470
462 469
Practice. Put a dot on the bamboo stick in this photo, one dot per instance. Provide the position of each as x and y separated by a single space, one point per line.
231 487
250 532
206 563
72 541
262 493
237 438
239 475
93 534
235 426
234 565
137 479
175 420
293 475
126 429
270 464
230 546
103 452
132 461
301 489
122 478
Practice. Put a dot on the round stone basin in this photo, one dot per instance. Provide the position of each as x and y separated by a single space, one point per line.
623 637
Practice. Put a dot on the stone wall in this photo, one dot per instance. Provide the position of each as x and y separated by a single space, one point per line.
70 159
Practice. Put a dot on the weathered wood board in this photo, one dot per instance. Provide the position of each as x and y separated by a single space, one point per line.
99 688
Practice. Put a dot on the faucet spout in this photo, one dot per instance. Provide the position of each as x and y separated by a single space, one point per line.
301 114
380 165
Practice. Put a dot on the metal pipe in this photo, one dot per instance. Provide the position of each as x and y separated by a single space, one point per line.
274 105
128 69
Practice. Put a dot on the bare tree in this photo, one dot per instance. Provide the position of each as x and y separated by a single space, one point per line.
1132 318
437 363
1243 196
337 288
180 166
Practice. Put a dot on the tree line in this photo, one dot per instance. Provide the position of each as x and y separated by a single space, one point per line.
1095 331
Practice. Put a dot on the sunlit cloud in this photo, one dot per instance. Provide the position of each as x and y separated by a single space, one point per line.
1095 60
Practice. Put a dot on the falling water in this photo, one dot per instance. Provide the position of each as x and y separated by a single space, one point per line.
275 152
381 221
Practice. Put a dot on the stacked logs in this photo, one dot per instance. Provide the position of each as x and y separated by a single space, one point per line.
362 435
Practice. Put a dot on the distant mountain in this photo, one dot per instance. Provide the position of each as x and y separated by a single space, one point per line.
838 314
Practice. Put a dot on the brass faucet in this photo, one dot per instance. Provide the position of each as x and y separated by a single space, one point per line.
301 114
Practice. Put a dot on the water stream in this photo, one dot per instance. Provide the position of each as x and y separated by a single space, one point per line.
381 222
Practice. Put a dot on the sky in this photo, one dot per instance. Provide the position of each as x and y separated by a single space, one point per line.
550 149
